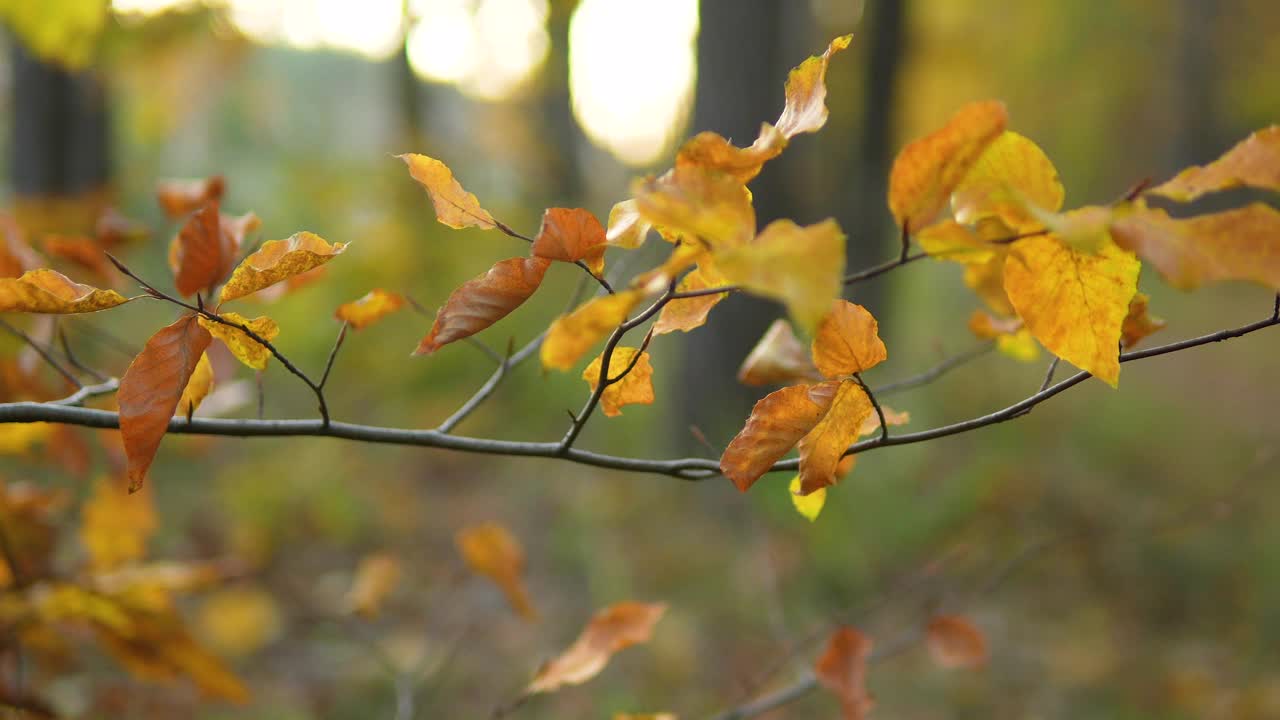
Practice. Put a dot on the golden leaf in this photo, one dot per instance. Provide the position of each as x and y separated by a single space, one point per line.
698 205
376 578
848 341
1238 244
491 550
806 91
1012 175
801 267
712 151
777 422
571 336
1139 323
823 447
246 349
454 206
1253 162
179 197
636 388
685 314
809 506
369 309
48 291
279 260
627 229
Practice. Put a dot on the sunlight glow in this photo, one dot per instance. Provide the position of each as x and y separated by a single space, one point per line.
631 73
487 48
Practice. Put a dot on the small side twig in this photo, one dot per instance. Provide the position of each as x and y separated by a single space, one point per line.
333 354
875 404
44 354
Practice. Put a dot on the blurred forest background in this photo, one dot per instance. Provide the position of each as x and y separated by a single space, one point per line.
1119 548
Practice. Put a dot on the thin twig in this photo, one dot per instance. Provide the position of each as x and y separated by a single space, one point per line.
46 355
490 385
506 229
936 371
75 362
1048 375
875 404
86 392
333 354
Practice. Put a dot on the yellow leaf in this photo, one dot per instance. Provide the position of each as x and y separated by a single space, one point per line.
627 229
777 359
571 336
1139 323
1254 162
279 260
802 267
712 151
48 291
612 629
987 282
848 341
686 314
1020 345
1239 244
116 525
1010 176
806 91
1012 339
823 447
376 578
17 438
369 309
455 207
239 621
246 349
198 387
491 550
926 171
777 422
699 205
809 505
1085 229
60 31
1073 302
949 240
634 389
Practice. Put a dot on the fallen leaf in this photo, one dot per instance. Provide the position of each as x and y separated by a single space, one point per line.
806 91
848 341
685 314
246 349
115 526
801 267
454 206
1139 323
777 422
698 205
778 359
376 578
1238 244
483 301
151 387
571 336
823 447
612 629
842 669
369 309
48 291
636 388
197 388
570 235
279 260
955 642
179 197
491 550
1253 162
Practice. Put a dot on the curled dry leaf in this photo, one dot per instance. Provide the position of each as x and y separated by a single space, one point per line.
570 235
806 108
245 348
955 642
699 205
198 387
801 267
376 578
369 309
1139 323
926 171
823 447
279 260
777 359
179 197
483 301
571 336
686 314
115 526
848 341
612 629
151 387
491 550
842 669
627 229
777 422
454 206
1254 162
48 291
636 388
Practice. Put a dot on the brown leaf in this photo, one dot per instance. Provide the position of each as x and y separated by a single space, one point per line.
955 642
1238 244
376 578
570 235
491 550
48 291
636 388
179 197
847 341
927 170
610 630
806 109
777 359
1139 323
203 255
842 669
454 206
369 309
483 301
823 447
279 260
777 422
1254 162
151 387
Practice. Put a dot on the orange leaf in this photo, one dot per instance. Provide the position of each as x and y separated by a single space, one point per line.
1010 179
376 578
279 260
83 251
824 446
151 387
712 151
842 669
955 642
777 422
801 267
570 336
483 301
375 305
570 235
636 388
454 206
206 248
686 314
699 205
179 197
1238 244
491 550
1139 323
47 291
612 629
929 169
847 341
777 359
806 109
1254 162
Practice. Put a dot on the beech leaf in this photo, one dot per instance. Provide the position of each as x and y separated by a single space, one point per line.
203 254
806 91
847 341
778 359
685 314
1253 162
198 387
571 336
491 550
955 642
1238 244
636 388
712 151
1012 175
801 267
570 235
612 629
279 260
842 669
246 349
823 447
369 309
699 205
454 206
483 301
49 291
1139 323
627 229
777 422
151 387
179 197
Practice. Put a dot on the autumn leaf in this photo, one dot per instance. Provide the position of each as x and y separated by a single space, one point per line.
612 629
179 197
806 91
842 669
82 251
454 206
777 422
699 205
483 301
48 291
1074 303
491 550
1139 323
1011 338
376 577
711 151
987 282
197 388
571 336
801 267
1009 178
955 642
926 171
1238 244
369 309
949 240
151 387
279 260
635 388
823 447
570 235
116 525
685 314
246 349
627 229
203 255
777 359
847 341
1253 162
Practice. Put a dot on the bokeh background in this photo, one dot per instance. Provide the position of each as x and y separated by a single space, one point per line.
1117 547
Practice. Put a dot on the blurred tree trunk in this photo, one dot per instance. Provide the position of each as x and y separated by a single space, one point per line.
1194 69
564 186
